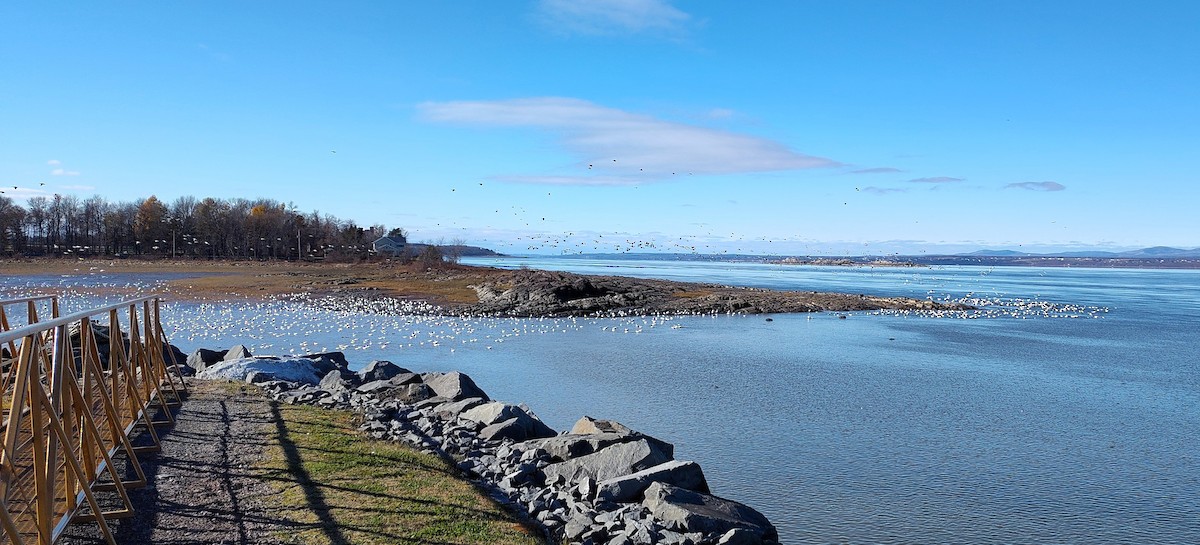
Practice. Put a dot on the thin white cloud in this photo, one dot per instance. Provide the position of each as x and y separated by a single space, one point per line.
937 180
1037 186
615 147
572 180
54 162
883 190
21 193
607 17
64 172
876 170
721 113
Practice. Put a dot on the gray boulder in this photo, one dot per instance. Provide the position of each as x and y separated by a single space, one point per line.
334 382
489 413
687 511
565 447
380 386
687 475
328 361
451 410
380 370
172 355
408 393
589 425
510 429
204 357
454 385
740 536
518 425
296 370
236 353
608 463
592 426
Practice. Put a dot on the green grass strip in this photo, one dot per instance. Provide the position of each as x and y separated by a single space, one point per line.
336 486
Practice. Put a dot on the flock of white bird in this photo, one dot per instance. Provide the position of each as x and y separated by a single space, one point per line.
302 323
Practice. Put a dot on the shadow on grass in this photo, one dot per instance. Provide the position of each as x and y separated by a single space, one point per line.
312 492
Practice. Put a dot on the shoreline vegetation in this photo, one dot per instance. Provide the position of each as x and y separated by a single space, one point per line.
469 290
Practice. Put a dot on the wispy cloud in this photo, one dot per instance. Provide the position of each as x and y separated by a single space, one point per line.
876 170
21 193
608 17
883 190
59 170
937 180
1037 186
572 180
721 113
616 147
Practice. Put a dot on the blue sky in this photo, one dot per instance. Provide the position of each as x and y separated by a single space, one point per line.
564 126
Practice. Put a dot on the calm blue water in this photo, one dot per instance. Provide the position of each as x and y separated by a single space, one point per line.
1038 427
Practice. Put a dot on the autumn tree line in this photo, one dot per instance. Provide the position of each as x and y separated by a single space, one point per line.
65 225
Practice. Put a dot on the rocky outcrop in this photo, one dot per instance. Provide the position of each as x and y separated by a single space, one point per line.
601 483
550 293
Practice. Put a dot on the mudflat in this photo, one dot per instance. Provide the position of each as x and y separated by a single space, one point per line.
471 290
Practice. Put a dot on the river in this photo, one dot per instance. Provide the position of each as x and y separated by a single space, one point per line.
1066 411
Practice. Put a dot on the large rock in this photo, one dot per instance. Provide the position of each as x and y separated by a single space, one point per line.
588 425
454 385
172 355
593 426
333 380
489 413
328 361
380 387
408 393
450 410
519 425
687 475
236 353
510 429
204 357
565 447
608 463
297 370
687 511
380 370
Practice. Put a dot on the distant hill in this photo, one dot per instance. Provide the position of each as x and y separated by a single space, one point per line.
1162 251
997 253
1159 257
1153 252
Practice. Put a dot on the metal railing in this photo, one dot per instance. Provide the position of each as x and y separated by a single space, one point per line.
76 391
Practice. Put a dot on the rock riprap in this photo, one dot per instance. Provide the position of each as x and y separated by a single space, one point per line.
600 483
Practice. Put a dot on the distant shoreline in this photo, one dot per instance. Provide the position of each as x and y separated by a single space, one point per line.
472 290
1058 262
909 260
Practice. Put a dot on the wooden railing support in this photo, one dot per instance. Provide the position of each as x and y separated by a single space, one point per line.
67 413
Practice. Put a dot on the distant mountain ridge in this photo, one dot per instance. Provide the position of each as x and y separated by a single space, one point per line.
1162 252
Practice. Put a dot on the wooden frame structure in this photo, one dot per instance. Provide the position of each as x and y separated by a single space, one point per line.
68 411
8 351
